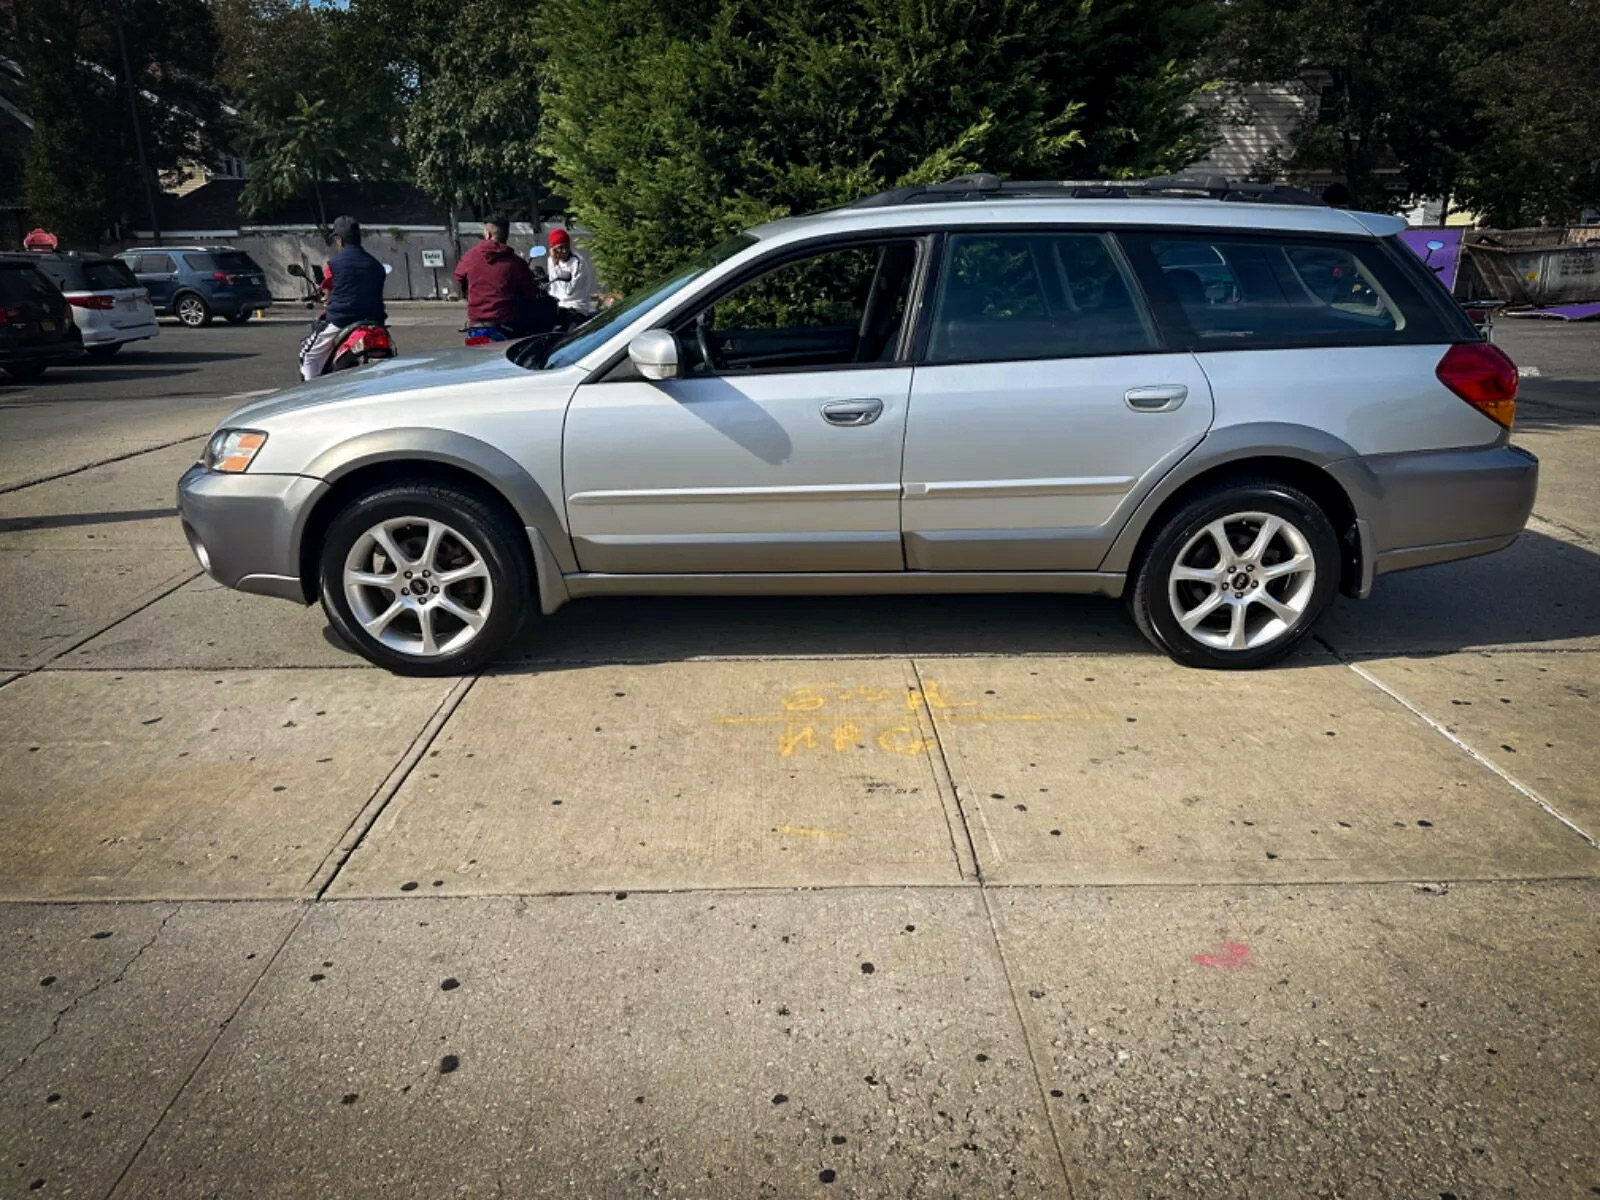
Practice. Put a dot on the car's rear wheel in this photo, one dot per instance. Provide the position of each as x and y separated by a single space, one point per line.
1237 576
425 579
22 372
102 353
192 310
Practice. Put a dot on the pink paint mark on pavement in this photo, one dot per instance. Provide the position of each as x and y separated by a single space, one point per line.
1231 957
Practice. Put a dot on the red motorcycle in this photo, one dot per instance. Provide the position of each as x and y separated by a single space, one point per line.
356 345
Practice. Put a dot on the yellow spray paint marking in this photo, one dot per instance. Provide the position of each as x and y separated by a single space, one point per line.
865 718
805 831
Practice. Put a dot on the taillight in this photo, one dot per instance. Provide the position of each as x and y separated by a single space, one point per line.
83 300
1484 377
223 277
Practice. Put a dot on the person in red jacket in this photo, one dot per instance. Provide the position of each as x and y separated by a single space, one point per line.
498 286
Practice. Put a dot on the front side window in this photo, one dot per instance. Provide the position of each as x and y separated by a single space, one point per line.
1269 291
841 307
1035 295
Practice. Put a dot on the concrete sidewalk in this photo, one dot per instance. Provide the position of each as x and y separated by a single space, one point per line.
947 896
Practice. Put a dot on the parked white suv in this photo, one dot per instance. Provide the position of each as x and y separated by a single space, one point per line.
109 307
1223 402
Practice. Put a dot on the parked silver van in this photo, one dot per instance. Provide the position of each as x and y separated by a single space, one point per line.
1223 402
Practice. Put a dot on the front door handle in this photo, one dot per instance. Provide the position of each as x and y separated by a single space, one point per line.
1163 397
852 412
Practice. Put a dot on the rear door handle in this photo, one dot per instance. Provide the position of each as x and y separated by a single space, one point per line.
1163 397
852 412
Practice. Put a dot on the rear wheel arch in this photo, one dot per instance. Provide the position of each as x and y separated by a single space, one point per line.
1302 473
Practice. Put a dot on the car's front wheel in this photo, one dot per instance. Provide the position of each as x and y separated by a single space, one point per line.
425 579
1237 576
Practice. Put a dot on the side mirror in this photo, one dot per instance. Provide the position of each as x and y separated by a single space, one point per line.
388 268
656 354
296 270
1435 244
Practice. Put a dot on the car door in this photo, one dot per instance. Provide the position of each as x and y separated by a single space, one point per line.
778 447
1043 406
158 275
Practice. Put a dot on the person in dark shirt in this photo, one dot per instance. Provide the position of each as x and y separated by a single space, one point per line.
498 286
356 295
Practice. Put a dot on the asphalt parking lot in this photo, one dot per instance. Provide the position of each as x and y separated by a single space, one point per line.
954 896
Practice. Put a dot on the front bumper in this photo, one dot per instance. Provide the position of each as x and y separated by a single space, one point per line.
1433 506
245 529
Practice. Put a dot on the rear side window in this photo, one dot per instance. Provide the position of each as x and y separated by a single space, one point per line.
1231 291
233 262
66 275
1034 295
107 276
24 284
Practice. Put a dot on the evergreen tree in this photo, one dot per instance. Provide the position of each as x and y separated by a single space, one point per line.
670 123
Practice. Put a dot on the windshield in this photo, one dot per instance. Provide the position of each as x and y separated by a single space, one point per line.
541 353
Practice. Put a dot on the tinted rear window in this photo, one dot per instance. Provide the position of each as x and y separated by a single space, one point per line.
234 262
1237 291
22 284
107 276
65 274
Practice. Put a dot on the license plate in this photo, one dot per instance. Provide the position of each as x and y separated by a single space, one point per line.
128 303
48 326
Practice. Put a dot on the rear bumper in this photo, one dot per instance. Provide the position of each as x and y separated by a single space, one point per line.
46 352
245 529
1434 506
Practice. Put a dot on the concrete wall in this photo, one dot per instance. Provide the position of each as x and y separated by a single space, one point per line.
402 250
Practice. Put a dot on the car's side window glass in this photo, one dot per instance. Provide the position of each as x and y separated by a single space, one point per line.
841 307
1281 291
156 264
1035 295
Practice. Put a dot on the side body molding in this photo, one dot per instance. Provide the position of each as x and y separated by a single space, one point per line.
1236 444
525 494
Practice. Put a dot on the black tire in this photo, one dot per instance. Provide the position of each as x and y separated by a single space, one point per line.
24 372
238 318
191 310
101 354
1151 602
496 538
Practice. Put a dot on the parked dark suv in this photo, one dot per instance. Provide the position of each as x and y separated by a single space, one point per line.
196 283
36 326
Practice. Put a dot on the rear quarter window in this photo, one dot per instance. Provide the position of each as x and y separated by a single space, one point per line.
1226 290
107 276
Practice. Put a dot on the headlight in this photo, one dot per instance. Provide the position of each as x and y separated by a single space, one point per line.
233 449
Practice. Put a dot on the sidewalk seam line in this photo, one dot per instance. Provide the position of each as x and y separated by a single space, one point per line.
206 1055
104 462
387 790
187 578
1467 748
946 782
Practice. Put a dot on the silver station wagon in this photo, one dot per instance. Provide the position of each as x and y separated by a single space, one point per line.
1221 402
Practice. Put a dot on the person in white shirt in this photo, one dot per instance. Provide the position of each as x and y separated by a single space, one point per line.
571 283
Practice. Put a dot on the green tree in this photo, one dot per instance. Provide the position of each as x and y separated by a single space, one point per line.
670 123
317 100
1537 88
472 130
80 174
1395 120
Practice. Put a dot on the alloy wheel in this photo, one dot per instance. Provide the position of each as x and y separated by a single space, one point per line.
1242 581
418 586
192 311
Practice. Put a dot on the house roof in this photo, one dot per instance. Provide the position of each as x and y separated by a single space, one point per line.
215 206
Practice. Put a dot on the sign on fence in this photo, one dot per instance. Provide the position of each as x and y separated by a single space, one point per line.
433 258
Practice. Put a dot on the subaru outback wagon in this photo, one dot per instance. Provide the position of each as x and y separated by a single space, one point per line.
1223 402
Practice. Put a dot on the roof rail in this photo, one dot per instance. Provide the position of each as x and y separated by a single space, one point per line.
983 186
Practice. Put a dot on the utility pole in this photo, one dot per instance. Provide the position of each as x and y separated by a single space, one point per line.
133 111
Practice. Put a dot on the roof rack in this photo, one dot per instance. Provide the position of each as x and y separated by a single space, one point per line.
991 187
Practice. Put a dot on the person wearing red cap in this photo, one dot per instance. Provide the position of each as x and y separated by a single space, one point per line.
570 281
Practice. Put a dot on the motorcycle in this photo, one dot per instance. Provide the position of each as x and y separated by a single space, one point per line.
356 345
